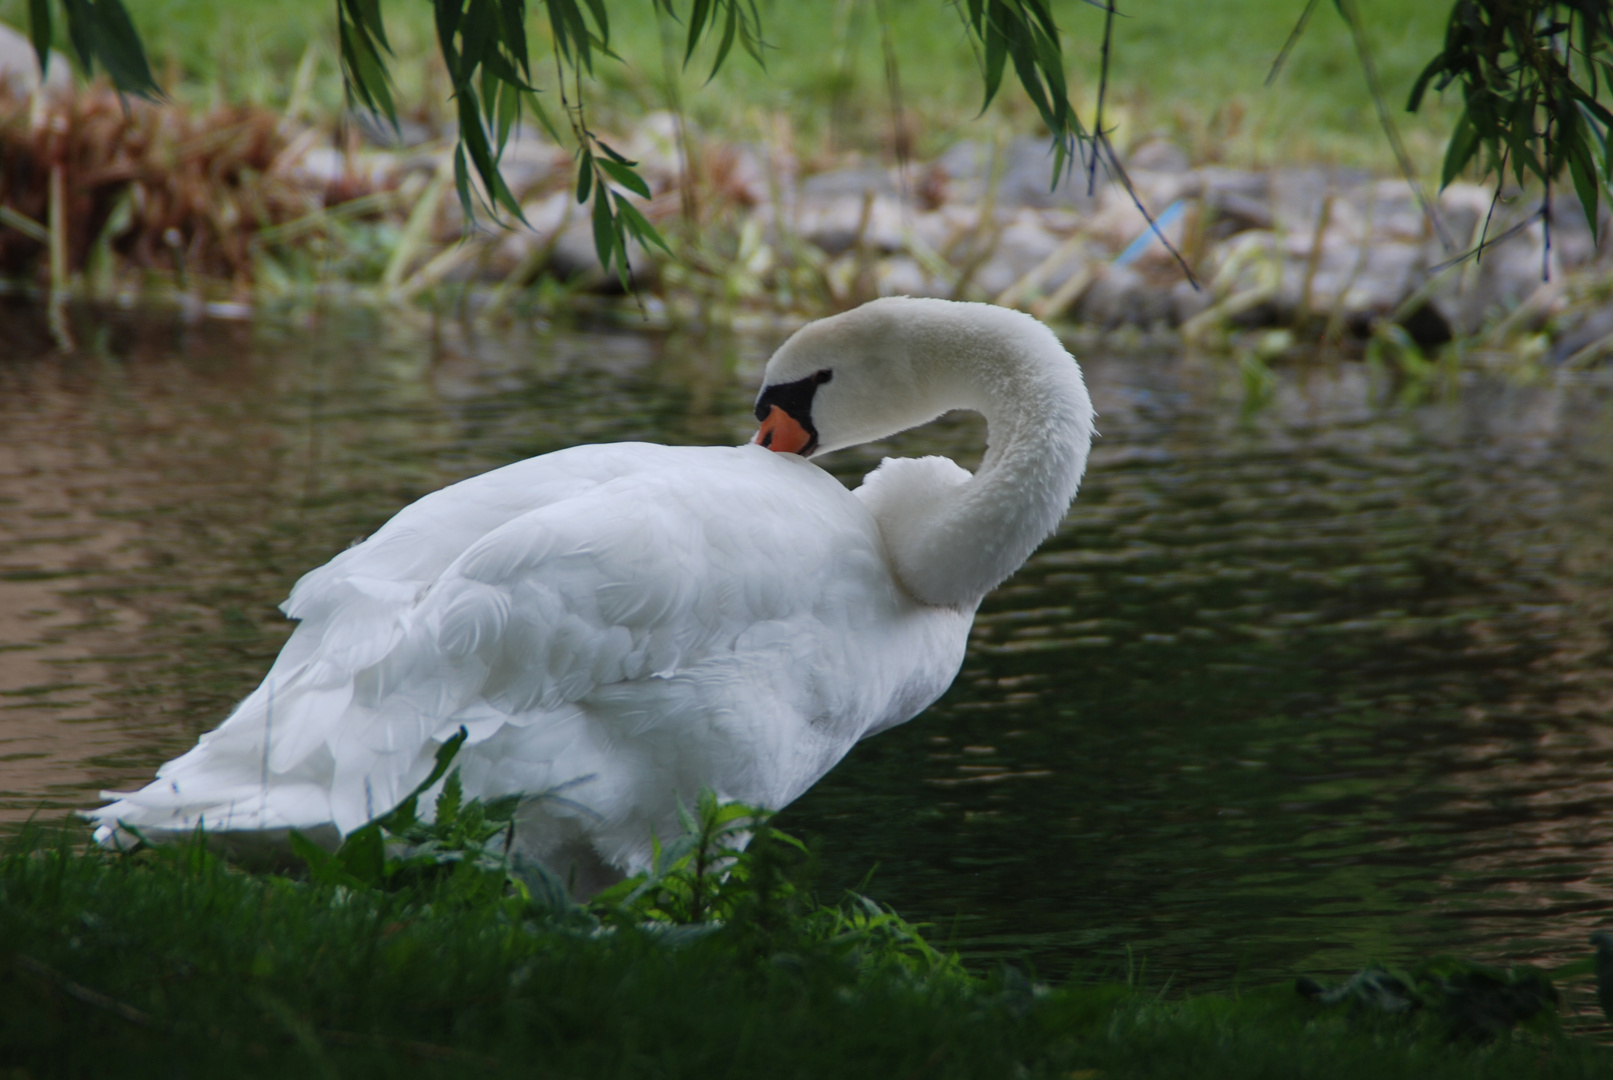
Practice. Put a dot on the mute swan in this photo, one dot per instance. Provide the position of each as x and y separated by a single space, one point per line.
630 622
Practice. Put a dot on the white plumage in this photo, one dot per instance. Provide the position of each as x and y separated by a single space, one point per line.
627 623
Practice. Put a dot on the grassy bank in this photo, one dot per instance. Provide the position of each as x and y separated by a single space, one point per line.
174 963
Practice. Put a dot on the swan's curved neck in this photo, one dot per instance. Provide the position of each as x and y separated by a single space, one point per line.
953 542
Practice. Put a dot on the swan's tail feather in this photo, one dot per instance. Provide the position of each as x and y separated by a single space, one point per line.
228 783
164 812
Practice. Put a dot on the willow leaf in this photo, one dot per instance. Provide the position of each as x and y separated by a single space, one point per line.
585 176
120 50
1464 143
625 176
604 227
640 226
39 32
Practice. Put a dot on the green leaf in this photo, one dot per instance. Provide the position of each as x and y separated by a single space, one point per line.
473 139
323 867
121 53
585 176
604 228
640 226
1599 132
494 63
476 37
699 13
996 58
448 801
364 74
1044 16
462 184
448 13
571 32
1583 171
1050 62
512 15
625 176
509 113
1464 143
81 32
490 89
363 855
750 34
39 31
367 13
404 815
602 21
730 27
611 153
1420 87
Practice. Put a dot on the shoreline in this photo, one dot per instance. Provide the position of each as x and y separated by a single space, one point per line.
229 212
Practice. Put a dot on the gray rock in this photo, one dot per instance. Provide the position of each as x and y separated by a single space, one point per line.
1232 213
1186 301
1296 195
1158 156
835 223
531 161
1026 173
19 67
1495 283
1124 297
1391 273
1221 181
1587 328
1020 248
844 183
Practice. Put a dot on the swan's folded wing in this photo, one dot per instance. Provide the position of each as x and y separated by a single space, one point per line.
425 537
636 563
633 580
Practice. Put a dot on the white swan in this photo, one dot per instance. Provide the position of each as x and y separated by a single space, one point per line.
631 622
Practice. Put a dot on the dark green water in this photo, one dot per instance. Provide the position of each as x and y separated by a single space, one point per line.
1286 693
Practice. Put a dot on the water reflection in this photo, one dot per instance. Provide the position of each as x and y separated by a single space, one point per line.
1286 692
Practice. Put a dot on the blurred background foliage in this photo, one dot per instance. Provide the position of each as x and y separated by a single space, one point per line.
1190 69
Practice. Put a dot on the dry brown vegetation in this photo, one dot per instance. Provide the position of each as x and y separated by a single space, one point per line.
162 187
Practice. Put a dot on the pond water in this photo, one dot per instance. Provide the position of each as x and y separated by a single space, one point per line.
1291 690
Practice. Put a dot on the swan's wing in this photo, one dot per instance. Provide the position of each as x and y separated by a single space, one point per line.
636 563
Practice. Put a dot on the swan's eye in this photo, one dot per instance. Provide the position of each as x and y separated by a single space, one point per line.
823 376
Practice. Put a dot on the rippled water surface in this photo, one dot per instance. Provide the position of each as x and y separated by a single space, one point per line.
1288 692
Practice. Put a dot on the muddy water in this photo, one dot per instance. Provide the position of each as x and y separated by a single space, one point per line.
1289 691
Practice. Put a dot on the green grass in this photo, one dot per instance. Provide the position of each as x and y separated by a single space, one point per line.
172 963
1190 69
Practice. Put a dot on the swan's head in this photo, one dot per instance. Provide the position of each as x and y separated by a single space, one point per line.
861 375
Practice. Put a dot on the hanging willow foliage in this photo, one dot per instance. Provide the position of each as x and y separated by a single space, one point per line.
100 30
1530 73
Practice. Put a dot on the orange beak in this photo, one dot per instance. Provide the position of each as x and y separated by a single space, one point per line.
782 433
